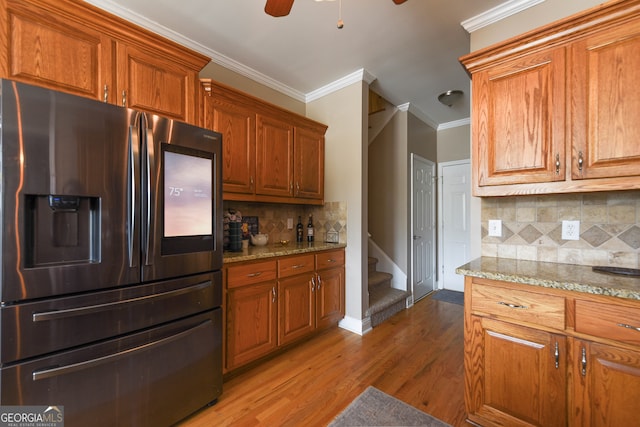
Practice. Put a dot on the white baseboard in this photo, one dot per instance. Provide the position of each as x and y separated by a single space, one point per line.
357 326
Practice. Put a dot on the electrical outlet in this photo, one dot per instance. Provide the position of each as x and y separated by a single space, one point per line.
289 223
570 230
495 227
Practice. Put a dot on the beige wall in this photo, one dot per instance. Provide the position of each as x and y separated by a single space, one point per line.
388 203
345 112
247 85
454 144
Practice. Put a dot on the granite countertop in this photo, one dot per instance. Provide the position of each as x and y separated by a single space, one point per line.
579 278
276 250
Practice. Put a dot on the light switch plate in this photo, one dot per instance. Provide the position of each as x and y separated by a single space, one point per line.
289 223
570 230
495 227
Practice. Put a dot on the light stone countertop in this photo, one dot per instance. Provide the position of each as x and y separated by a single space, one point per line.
579 278
277 250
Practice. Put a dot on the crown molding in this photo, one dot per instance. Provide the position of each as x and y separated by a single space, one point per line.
454 124
418 113
497 13
357 76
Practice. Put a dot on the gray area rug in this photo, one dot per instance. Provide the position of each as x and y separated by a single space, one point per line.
376 408
449 296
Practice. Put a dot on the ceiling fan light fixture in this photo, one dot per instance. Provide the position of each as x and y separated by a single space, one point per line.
450 97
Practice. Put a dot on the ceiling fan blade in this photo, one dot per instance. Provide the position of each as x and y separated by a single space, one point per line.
278 7
399 1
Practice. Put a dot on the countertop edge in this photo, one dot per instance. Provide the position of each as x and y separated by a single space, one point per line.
619 287
266 252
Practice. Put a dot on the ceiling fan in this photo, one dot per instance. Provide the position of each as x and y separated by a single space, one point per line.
283 7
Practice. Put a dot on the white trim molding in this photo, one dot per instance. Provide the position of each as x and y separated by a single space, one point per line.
356 326
497 13
355 77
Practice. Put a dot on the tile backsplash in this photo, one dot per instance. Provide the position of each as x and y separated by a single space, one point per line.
272 218
532 228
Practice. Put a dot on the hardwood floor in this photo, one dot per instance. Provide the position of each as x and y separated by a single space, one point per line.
416 356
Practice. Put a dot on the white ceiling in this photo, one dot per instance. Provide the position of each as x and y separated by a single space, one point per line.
411 49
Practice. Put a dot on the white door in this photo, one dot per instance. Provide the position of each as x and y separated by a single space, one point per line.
455 219
423 227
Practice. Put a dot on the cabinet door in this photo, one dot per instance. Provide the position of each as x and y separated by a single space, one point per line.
237 125
329 297
274 157
605 103
251 322
155 83
516 375
518 120
309 164
47 49
606 385
296 310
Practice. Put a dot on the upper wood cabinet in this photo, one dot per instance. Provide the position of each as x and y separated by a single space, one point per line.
605 103
270 155
555 110
77 48
518 118
274 156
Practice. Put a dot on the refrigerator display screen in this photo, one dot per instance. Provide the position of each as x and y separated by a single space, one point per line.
188 188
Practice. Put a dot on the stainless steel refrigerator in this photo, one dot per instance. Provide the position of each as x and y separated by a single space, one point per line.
111 255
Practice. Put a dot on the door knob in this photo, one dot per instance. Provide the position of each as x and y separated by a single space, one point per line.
417 237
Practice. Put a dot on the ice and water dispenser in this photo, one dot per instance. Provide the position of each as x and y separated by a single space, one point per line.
61 229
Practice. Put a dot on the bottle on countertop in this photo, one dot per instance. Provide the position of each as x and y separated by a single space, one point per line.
299 231
310 229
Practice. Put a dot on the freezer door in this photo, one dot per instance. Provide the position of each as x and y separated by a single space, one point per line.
151 378
68 212
41 327
182 199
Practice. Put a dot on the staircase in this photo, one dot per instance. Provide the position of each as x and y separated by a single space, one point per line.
384 301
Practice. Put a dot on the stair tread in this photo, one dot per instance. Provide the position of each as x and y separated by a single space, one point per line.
378 277
380 298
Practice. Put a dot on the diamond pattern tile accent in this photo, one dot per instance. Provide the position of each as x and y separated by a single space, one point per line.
631 237
556 235
595 236
530 234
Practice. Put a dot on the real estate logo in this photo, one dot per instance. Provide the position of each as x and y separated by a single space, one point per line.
31 416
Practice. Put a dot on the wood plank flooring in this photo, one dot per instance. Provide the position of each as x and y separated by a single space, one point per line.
416 356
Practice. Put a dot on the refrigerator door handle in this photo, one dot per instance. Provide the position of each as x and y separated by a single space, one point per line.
150 205
110 306
133 180
74 367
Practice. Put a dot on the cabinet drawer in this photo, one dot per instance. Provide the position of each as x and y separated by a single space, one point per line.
543 310
247 274
329 259
610 321
295 265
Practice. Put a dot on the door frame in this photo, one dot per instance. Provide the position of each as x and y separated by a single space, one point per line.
411 231
440 268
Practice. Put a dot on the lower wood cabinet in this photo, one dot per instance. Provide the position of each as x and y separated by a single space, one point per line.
546 357
270 304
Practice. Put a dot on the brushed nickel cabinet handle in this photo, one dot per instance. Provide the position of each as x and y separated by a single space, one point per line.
295 267
583 361
256 274
580 161
124 98
273 293
556 354
624 325
313 284
557 164
105 93
523 307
